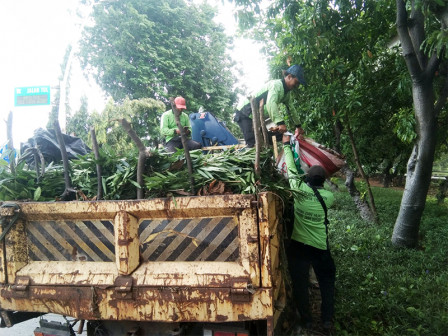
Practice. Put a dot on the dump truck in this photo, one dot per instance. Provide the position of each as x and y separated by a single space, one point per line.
196 265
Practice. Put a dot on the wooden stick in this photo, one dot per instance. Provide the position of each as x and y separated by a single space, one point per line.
263 124
36 159
11 156
69 193
183 138
258 144
141 155
99 173
274 144
41 158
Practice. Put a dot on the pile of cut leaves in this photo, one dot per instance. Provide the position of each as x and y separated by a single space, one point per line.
166 174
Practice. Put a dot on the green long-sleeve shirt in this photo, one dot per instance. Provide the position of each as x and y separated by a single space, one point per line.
274 93
309 216
168 124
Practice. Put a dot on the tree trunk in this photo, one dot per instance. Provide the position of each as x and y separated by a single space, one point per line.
361 204
421 68
387 176
419 170
373 216
443 189
338 128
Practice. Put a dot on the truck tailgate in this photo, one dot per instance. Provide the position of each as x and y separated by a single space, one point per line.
172 260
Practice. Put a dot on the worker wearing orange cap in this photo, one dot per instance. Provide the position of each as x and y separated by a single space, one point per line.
169 129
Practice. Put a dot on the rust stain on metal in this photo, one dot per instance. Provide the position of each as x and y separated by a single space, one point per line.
181 304
176 293
221 318
168 277
242 317
174 316
78 256
125 242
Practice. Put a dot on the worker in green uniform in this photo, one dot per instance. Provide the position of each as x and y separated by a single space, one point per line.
169 129
309 241
273 93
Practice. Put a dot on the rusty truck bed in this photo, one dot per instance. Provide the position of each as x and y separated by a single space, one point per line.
189 259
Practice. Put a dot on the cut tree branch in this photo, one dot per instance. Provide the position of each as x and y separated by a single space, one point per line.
11 156
183 138
142 154
263 124
99 174
69 193
258 140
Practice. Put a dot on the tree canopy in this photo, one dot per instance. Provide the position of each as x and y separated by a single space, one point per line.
143 115
158 49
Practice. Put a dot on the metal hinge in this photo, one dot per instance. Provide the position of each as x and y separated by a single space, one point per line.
123 288
21 286
241 291
252 238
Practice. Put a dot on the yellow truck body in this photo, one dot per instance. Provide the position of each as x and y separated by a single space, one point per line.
189 259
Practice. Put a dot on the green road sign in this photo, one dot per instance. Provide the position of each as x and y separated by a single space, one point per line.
32 95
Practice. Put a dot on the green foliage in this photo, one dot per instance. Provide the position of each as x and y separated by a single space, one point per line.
441 165
356 77
382 290
158 49
230 171
78 123
404 122
233 168
118 174
23 184
143 115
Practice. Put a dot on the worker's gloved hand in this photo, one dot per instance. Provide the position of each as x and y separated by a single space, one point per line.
286 138
282 128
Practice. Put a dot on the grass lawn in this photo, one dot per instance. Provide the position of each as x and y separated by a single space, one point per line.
383 290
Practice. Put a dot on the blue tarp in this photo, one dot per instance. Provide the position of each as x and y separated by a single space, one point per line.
4 153
209 131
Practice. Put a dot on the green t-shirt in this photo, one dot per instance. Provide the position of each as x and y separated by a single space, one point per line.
309 216
168 124
273 93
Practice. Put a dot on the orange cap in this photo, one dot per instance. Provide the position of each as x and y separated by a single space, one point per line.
180 102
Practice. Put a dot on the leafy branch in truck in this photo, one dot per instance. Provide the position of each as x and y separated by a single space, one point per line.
225 172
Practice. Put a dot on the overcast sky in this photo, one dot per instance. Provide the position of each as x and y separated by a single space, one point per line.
34 37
